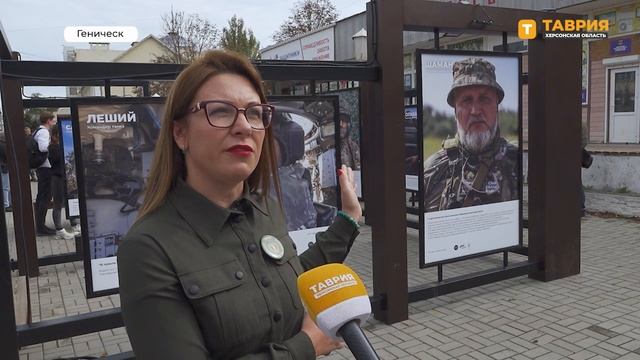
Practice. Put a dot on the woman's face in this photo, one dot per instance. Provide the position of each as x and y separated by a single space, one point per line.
227 155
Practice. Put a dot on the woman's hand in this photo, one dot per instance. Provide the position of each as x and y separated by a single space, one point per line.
350 204
322 343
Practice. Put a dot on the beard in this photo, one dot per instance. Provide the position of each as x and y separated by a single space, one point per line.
477 141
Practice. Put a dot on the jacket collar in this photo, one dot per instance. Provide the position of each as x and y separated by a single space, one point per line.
206 218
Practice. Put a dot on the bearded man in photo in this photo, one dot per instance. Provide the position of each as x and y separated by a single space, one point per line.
478 166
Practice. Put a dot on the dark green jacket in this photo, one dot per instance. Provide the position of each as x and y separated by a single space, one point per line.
195 283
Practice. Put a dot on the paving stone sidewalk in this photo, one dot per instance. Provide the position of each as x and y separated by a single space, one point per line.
593 315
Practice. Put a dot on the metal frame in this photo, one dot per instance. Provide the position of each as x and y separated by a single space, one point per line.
80 174
62 146
360 125
58 258
554 215
424 292
108 74
487 55
8 332
335 101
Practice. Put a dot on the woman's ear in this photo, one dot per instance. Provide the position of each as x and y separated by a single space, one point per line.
180 134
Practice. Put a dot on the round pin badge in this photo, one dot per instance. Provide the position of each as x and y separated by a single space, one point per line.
272 247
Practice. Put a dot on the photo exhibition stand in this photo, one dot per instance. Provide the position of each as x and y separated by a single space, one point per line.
554 147
554 153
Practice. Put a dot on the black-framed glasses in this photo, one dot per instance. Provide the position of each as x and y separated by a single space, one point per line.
223 114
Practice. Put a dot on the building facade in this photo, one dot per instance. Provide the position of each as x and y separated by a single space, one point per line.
611 96
610 78
143 51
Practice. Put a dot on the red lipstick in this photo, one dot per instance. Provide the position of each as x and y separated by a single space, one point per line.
241 150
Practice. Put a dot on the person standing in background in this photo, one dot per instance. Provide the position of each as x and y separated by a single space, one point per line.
57 183
42 136
349 149
32 172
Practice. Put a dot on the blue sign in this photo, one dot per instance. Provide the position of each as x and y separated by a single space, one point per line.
620 46
411 113
66 130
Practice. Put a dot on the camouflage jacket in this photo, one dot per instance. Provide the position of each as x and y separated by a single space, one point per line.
350 153
455 178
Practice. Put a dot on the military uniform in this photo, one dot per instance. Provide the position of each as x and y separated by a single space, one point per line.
195 282
350 153
455 177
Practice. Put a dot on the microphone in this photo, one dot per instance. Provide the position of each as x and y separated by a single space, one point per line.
336 299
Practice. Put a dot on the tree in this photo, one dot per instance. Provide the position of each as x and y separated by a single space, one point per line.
187 36
239 39
32 115
306 15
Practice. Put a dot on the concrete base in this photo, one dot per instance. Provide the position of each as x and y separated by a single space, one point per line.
613 173
609 173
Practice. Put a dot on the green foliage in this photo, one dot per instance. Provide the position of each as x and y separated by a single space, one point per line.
306 15
438 124
32 115
187 36
508 124
431 145
622 190
238 39
442 125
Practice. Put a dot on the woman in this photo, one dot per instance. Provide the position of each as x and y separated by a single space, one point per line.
57 183
208 270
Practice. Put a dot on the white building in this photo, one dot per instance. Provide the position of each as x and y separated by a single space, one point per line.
143 51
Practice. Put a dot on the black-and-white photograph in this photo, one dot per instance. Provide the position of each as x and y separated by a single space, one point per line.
305 130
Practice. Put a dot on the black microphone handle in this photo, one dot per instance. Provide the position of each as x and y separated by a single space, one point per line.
357 341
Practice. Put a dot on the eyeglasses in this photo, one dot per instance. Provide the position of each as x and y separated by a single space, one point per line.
222 114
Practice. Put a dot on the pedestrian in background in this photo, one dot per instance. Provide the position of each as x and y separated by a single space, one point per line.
57 183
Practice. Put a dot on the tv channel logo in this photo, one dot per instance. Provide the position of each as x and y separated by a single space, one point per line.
564 29
527 29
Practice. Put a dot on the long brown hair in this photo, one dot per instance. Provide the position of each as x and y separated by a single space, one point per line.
168 161
55 135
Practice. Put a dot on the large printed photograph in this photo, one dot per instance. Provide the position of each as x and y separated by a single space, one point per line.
470 106
349 117
306 135
65 126
115 140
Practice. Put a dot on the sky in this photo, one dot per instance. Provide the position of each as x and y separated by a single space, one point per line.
35 28
437 80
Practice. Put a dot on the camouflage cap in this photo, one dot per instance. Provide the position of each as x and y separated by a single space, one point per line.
474 71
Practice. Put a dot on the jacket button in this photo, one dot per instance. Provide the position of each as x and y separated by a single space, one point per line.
194 289
277 316
253 248
239 275
266 282
236 219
